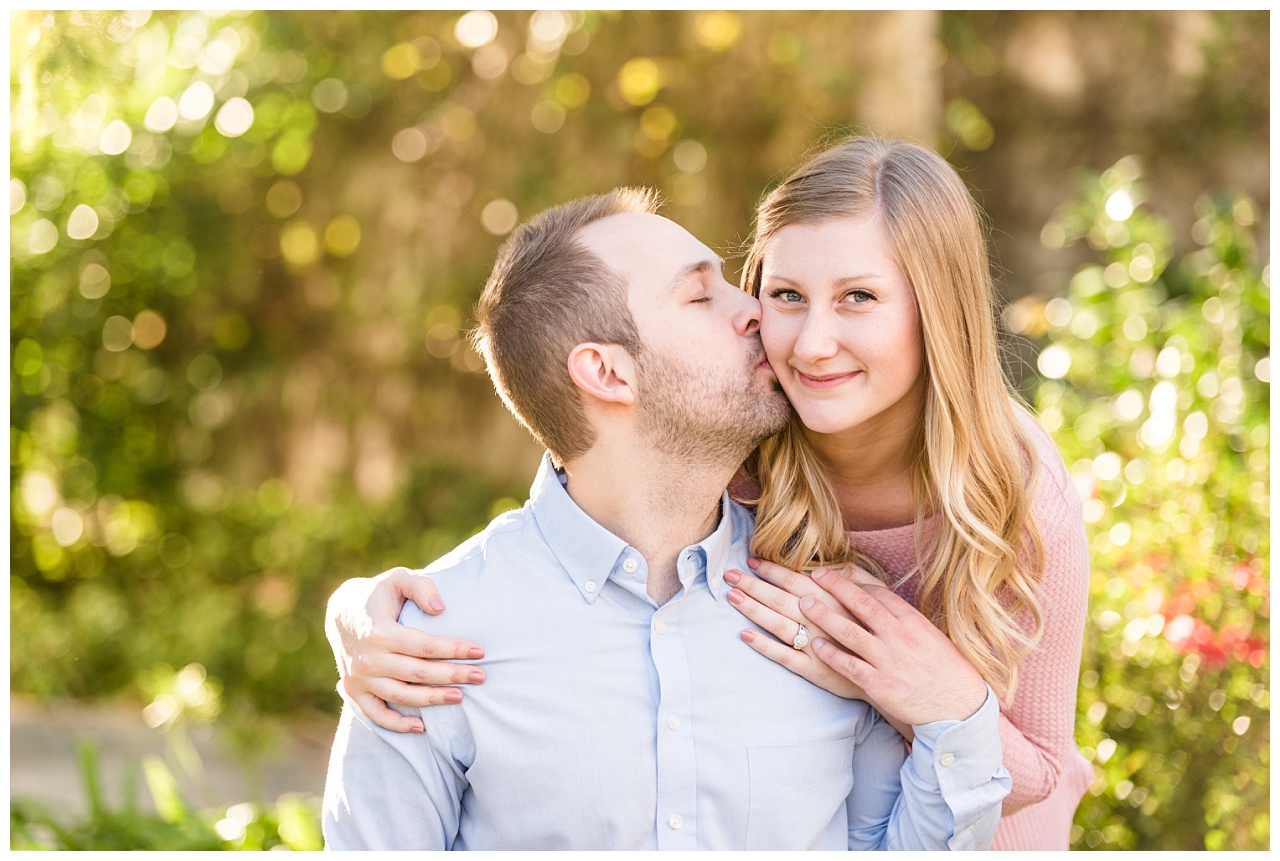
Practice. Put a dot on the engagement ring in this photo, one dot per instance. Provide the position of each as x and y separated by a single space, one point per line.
801 639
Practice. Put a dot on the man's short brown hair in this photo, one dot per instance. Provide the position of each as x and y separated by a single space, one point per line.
546 295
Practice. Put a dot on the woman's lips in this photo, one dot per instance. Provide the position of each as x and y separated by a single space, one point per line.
826 381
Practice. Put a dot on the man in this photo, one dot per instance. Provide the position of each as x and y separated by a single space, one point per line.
620 710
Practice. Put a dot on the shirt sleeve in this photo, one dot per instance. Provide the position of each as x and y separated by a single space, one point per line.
1037 728
388 790
947 793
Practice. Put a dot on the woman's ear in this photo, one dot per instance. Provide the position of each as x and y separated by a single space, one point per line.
605 372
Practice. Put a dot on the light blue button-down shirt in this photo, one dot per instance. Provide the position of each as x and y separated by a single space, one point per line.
609 722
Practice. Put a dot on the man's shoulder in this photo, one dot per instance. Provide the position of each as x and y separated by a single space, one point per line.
511 544
508 529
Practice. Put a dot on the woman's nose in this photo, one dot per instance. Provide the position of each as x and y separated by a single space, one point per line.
816 339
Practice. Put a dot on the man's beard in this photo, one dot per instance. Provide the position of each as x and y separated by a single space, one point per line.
712 421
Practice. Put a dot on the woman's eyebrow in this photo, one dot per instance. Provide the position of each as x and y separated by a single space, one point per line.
843 281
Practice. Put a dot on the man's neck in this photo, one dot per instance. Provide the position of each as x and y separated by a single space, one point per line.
655 505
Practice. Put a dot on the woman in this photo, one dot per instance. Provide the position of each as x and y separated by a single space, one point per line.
907 449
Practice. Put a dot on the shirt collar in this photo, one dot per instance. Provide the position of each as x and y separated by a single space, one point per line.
590 553
586 549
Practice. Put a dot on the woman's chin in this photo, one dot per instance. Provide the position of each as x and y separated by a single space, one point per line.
824 424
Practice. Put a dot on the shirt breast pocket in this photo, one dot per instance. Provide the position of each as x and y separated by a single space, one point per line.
798 794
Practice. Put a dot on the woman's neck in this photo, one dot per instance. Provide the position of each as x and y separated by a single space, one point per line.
872 470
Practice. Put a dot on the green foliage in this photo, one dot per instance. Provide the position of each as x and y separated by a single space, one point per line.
293 822
1156 387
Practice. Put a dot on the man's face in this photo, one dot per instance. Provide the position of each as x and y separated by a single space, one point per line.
705 388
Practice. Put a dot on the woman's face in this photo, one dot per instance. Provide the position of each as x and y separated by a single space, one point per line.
841 327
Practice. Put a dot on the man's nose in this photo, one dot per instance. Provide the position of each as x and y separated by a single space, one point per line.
747 318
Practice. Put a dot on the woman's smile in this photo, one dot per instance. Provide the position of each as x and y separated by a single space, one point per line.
821 382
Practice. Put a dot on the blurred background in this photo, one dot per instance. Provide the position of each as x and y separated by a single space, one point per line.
244 248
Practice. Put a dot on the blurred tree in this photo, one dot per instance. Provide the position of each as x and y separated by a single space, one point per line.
1157 372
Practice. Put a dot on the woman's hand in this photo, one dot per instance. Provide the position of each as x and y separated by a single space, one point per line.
772 601
381 661
909 669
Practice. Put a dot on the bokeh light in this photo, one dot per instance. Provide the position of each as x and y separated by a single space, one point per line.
149 329
547 117
342 236
1120 205
298 243
234 118
43 237
689 156
82 223
499 217
17 196
1054 362
115 138
409 145
162 115
196 102
717 31
476 29
639 80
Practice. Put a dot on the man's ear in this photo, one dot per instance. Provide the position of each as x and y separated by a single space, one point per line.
606 372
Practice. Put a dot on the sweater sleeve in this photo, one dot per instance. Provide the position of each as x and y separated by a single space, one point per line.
1037 730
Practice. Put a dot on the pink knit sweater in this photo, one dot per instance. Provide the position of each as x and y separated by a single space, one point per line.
1036 729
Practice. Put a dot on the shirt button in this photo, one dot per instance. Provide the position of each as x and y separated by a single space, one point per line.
673 722
630 566
590 586
660 626
947 759
676 822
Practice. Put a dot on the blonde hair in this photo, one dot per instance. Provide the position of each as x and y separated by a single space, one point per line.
976 466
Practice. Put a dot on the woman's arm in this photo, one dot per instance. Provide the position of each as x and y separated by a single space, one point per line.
381 661
1037 729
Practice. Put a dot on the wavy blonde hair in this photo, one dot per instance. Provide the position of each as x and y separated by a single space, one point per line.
976 465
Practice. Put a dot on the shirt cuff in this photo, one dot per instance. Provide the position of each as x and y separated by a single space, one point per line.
960 754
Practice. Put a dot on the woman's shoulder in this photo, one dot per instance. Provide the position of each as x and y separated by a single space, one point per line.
1058 511
1055 478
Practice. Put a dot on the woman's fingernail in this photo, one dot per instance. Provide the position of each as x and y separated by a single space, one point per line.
732 577
806 603
475 678
748 636
453 696
735 597
819 643
753 563
819 573
418 728
436 604
476 653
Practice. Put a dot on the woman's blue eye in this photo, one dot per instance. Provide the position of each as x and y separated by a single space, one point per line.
860 296
786 295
